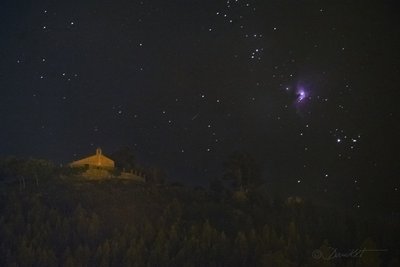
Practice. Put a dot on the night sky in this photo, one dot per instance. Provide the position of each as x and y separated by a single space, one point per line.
309 88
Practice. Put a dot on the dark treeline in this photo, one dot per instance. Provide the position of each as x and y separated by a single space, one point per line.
50 217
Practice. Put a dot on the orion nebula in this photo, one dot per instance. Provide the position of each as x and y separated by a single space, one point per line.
301 94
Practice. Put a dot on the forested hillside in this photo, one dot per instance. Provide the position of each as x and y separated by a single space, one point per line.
62 220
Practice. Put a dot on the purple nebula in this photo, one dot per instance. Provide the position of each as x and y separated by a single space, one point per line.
301 94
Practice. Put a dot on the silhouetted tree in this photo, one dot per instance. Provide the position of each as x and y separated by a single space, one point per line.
124 158
13 167
217 187
38 168
242 169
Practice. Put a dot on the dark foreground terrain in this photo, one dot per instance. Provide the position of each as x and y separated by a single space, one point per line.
70 222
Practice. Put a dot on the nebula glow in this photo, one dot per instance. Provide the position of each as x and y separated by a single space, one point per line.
301 94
